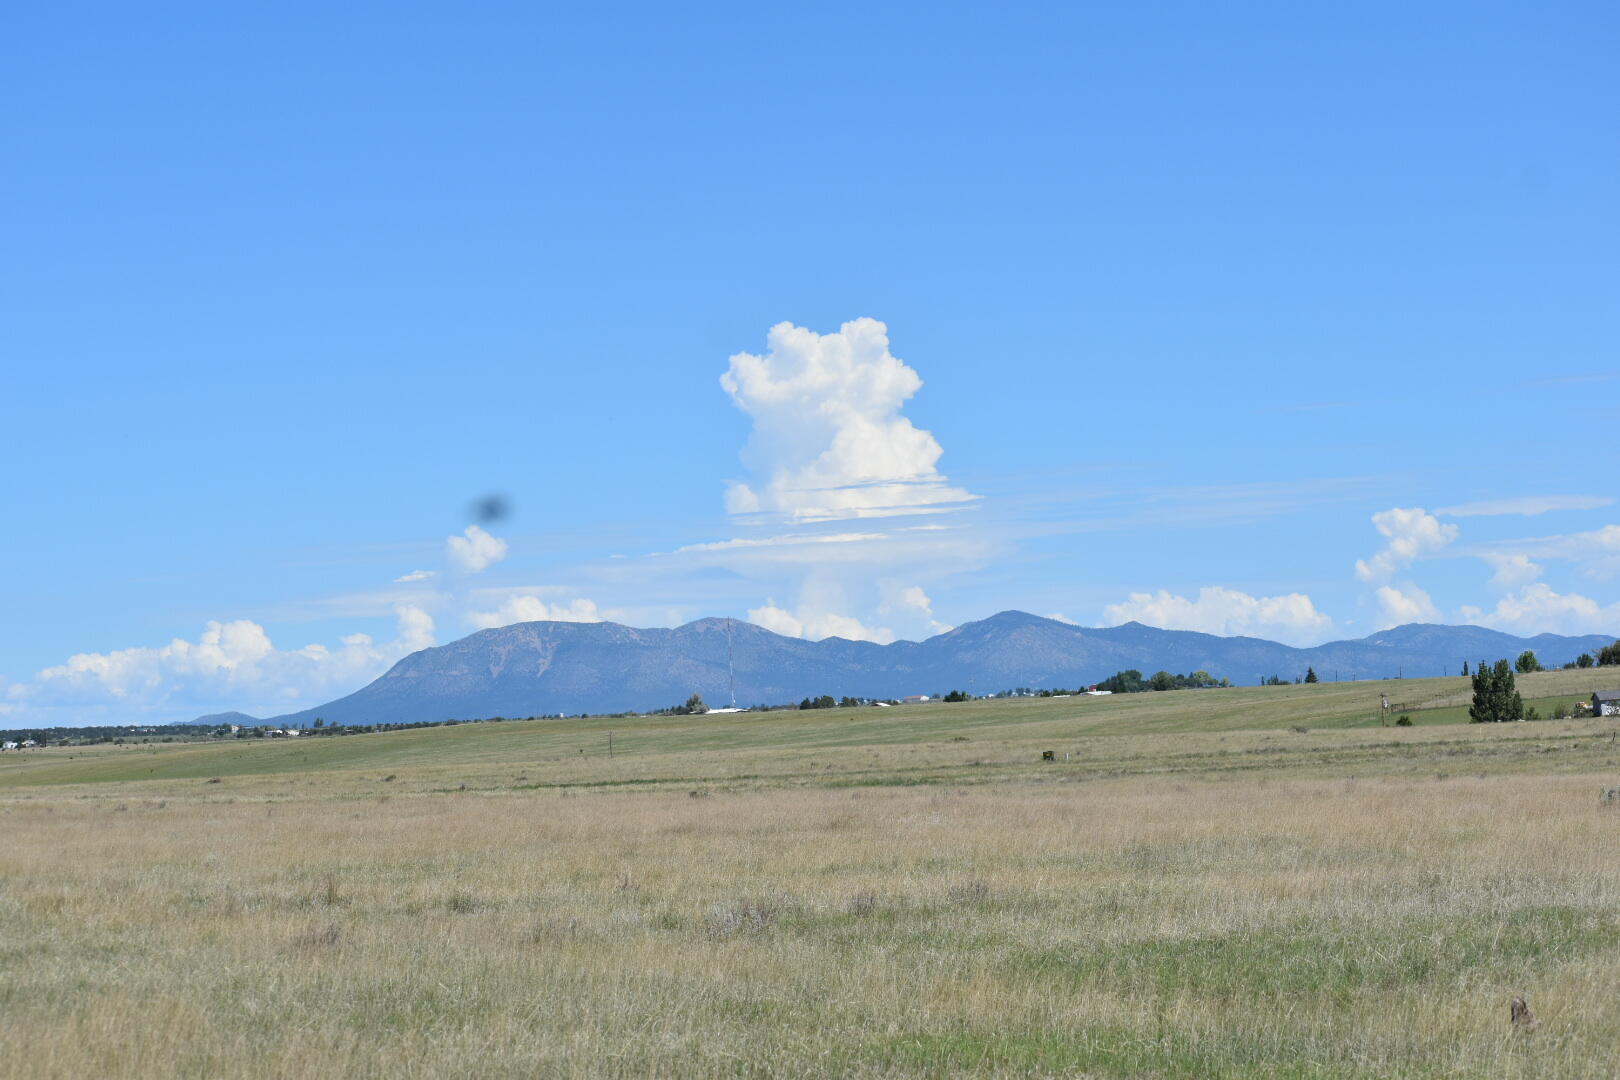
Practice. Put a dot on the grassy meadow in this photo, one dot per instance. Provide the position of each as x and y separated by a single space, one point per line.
1238 883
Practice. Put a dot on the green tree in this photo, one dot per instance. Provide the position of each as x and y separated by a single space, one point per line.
1310 675
1496 700
694 705
957 695
1584 660
1465 667
1162 680
1128 681
1526 663
1609 655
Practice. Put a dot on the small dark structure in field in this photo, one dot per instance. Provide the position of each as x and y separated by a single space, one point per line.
1048 755
1606 703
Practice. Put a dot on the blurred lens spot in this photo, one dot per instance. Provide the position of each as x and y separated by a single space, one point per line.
490 509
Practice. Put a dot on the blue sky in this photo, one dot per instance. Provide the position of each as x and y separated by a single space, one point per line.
1262 319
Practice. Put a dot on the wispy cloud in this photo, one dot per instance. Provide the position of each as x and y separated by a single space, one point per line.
1112 508
791 540
1526 505
1595 552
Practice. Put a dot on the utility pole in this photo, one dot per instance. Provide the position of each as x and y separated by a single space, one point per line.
610 744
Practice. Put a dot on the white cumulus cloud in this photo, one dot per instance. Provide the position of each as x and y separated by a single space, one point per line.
530 608
829 440
1511 570
910 608
414 575
474 551
1291 618
1403 604
816 625
1410 535
1537 609
231 664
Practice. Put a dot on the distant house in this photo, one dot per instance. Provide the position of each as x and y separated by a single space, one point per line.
915 699
8 745
1606 703
26 743
1094 692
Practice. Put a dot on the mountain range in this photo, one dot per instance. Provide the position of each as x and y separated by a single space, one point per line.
545 668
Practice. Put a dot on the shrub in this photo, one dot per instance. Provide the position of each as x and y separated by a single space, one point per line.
1403 721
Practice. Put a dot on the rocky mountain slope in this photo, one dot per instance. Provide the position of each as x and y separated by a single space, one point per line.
537 668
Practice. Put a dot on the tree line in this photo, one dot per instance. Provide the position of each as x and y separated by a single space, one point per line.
1131 681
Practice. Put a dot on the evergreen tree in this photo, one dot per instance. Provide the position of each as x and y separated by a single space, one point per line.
1310 675
1584 660
1496 700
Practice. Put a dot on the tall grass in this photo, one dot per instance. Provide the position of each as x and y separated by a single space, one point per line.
1274 925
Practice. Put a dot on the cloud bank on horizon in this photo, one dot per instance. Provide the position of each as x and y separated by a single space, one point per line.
230 661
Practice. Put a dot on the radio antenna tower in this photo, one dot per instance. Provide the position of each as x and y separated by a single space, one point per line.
731 668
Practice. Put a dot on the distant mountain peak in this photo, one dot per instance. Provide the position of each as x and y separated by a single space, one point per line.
216 719
541 668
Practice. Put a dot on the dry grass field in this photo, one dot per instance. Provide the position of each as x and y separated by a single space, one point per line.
910 893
